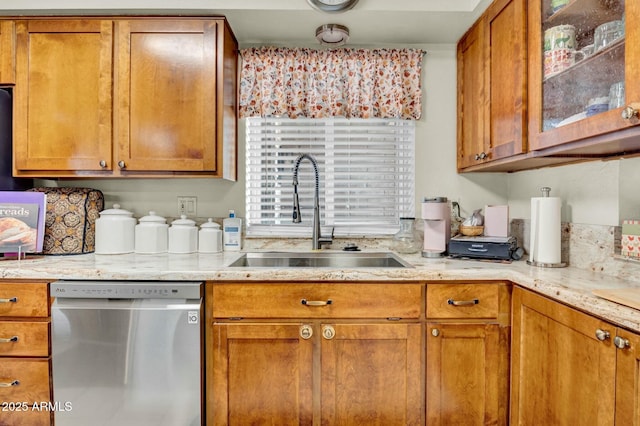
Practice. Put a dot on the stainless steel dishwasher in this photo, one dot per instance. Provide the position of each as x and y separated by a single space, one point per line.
127 353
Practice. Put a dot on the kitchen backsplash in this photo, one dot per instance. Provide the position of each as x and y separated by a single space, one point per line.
591 247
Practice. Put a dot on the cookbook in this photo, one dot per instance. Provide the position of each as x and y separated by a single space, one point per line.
22 220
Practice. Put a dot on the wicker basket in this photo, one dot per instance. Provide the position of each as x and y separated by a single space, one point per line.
471 231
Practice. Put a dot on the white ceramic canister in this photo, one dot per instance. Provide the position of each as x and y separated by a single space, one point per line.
152 234
183 236
115 231
210 237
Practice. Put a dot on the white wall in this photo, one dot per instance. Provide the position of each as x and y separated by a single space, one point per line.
629 196
436 173
589 191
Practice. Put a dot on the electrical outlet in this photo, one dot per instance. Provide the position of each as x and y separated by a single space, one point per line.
187 205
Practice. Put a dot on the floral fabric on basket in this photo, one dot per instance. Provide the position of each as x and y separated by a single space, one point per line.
350 83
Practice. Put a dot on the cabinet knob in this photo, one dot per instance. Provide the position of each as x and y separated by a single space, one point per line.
121 164
483 155
328 332
306 331
602 335
103 164
621 343
476 157
629 112
435 332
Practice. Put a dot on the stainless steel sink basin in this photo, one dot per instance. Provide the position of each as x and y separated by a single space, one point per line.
345 260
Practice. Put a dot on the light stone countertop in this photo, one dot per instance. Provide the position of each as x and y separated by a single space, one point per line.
569 285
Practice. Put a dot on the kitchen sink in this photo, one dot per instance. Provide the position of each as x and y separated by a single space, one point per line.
343 259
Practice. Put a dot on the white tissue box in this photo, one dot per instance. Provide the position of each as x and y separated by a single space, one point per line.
496 221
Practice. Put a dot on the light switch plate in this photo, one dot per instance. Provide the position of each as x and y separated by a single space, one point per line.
187 205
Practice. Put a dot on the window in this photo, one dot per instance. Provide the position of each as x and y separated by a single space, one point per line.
366 171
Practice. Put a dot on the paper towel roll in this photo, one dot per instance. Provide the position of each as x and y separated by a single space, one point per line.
545 230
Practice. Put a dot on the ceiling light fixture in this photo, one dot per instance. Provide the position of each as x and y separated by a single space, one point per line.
332 6
332 34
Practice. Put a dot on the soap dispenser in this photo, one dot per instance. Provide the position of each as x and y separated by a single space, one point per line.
232 229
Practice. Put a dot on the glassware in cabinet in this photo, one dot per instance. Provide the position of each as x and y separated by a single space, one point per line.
579 65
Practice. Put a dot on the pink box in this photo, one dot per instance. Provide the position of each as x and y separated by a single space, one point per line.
496 221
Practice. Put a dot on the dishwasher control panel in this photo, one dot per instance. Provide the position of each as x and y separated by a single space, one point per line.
126 289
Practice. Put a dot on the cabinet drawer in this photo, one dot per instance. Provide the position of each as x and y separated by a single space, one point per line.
24 338
309 300
24 299
31 378
461 301
27 416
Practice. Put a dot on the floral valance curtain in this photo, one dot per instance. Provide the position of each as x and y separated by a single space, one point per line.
350 83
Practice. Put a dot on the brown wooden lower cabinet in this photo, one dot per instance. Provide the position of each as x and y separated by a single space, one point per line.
261 372
627 378
342 374
27 417
570 368
315 354
467 353
467 374
25 361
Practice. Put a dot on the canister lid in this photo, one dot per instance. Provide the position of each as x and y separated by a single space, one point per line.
116 211
434 200
210 224
183 221
152 217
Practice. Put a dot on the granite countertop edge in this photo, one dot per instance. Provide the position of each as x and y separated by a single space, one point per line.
569 285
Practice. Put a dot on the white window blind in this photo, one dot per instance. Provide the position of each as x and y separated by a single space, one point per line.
366 171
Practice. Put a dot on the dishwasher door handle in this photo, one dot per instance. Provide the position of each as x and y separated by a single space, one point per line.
125 304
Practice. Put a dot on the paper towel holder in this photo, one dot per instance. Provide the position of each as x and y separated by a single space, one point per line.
546 265
545 193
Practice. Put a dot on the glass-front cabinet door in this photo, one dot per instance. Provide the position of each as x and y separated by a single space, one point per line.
584 69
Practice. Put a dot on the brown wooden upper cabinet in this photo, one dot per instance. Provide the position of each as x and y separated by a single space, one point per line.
7 53
492 86
135 97
577 100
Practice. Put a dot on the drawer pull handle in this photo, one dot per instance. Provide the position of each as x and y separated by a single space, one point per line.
9 339
11 300
316 302
463 302
9 384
